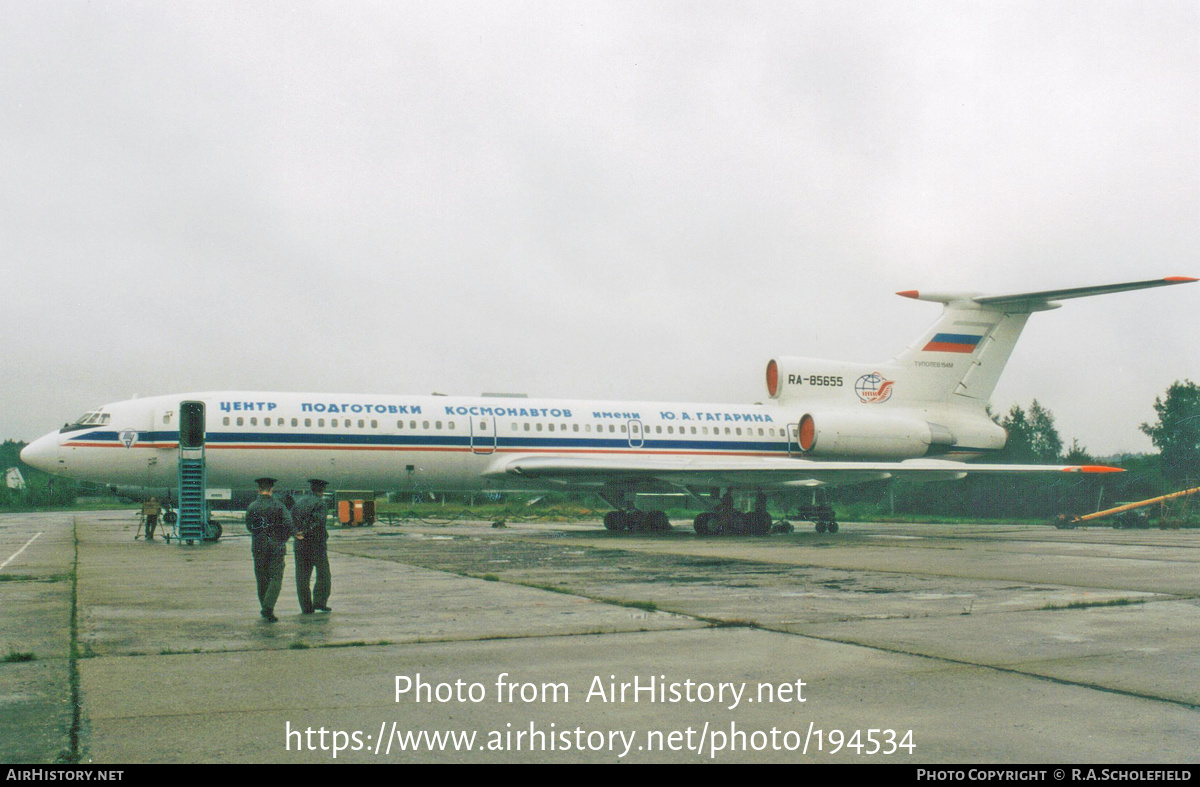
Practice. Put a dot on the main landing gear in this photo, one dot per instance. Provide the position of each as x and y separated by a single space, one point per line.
627 519
725 519
635 521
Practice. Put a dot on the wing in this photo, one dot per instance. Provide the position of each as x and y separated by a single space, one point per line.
744 472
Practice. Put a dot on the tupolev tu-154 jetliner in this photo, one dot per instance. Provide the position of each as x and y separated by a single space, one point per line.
916 417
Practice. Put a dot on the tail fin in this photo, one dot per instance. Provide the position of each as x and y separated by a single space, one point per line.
962 355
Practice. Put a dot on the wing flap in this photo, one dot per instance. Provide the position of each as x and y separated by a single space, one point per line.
748 471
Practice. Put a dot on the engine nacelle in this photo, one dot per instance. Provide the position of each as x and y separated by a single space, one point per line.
791 377
870 435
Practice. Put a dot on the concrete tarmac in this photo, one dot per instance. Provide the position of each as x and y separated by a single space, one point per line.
565 643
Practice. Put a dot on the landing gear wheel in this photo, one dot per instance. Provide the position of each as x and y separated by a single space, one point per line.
832 527
704 524
659 521
820 527
636 521
614 521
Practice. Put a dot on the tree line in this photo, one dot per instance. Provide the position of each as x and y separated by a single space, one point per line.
40 490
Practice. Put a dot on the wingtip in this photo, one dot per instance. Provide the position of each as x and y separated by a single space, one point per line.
914 294
1179 279
1094 469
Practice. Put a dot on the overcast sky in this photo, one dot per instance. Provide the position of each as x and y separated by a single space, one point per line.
589 200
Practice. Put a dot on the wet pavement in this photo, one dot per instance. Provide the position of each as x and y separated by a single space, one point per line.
908 643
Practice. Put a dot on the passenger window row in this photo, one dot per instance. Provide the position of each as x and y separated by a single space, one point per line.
526 426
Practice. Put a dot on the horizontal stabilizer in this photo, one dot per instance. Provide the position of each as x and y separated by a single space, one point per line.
1034 299
1039 301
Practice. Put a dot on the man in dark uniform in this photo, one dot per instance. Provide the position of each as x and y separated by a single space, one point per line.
151 510
270 525
308 514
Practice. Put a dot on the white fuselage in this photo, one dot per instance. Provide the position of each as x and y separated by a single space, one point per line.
384 442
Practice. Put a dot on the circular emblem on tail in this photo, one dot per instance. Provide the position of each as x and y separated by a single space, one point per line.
873 388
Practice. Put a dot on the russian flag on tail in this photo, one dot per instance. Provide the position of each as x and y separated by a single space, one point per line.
952 343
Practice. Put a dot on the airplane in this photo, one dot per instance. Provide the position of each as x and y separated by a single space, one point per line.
920 417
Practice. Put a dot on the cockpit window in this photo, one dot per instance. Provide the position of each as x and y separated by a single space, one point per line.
88 420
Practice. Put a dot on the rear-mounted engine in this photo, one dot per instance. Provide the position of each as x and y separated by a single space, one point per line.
878 436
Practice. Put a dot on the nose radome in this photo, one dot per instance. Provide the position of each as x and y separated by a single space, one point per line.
42 453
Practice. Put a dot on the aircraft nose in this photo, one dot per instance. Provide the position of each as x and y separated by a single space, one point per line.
42 453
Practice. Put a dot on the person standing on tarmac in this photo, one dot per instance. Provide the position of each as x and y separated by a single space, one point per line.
270 525
151 510
308 513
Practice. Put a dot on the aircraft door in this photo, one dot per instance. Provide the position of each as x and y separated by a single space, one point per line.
191 424
635 434
793 435
191 440
483 434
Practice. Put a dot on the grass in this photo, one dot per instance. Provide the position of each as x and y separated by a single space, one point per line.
550 588
28 578
1116 602
731 624
17 656
647 606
